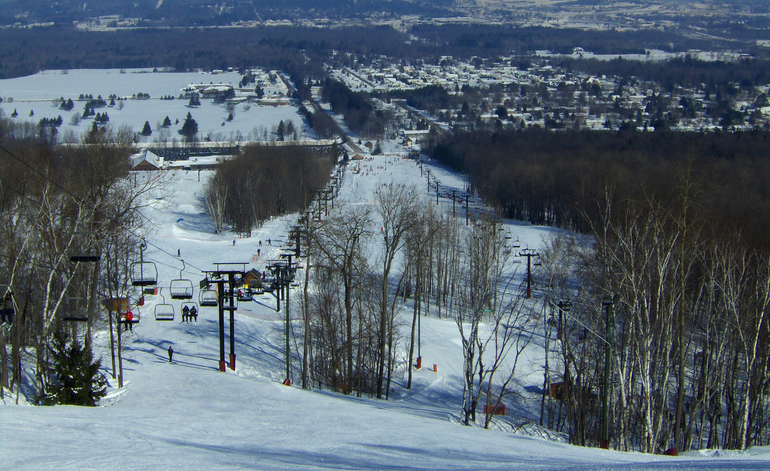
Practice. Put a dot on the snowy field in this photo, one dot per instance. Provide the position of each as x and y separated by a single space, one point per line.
187 415
34 95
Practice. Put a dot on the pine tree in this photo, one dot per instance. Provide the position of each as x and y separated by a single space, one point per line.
146 130
189 127
74 377
166 122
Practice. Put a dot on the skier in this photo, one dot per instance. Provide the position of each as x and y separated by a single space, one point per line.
170 353
179 253
185 314
193 314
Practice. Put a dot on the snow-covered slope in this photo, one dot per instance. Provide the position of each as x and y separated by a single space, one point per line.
187 415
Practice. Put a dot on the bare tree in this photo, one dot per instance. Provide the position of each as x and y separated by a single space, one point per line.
396 206
340 240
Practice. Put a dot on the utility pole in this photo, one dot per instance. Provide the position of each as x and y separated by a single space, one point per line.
608 305
467 207
221 277
529 253
454 204
284 272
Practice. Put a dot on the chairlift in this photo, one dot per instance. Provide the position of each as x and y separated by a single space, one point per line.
144 274
245 294
163 311
85 254
181 288
78 316
208 298
85 257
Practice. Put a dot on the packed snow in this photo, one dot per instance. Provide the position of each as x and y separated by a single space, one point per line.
186 414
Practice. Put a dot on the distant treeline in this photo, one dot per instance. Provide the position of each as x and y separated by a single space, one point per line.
711 76
559 178
27 51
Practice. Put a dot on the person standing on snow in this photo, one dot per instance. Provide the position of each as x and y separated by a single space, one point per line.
170 353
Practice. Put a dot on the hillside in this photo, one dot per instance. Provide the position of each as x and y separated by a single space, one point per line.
188 415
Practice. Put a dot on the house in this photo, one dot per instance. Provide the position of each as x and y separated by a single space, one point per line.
253 279
145 161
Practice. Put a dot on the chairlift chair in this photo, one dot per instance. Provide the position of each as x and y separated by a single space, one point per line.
208 298
85 257
244 294
77 315
85 254
144 274
163 311
135 315
181 288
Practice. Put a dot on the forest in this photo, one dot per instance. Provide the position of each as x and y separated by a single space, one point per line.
262 182
67 215
678 224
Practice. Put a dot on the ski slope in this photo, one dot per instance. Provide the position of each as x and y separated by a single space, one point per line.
187 415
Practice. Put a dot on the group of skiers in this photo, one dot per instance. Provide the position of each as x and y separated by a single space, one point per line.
189 314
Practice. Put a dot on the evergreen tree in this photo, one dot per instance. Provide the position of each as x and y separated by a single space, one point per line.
166 122
194 100
74 377
189 127
95 131
146 130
